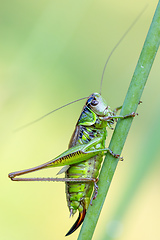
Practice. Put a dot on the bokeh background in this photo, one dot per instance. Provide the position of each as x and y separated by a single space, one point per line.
51 53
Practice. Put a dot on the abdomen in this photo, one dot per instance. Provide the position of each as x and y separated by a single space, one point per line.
79 193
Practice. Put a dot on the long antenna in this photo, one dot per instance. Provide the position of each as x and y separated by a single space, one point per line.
121 39
40 118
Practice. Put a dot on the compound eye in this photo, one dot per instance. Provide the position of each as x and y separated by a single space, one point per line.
94 102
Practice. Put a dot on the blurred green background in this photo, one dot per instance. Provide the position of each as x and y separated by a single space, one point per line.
51 53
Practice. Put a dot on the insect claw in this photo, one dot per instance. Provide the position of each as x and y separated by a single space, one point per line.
121 159
133 114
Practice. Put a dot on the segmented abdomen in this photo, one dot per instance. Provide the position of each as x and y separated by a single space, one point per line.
79 193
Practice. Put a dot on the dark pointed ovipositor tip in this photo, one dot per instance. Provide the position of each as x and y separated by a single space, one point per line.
77 223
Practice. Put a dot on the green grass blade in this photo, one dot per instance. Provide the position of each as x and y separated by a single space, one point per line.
145 164
133 96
